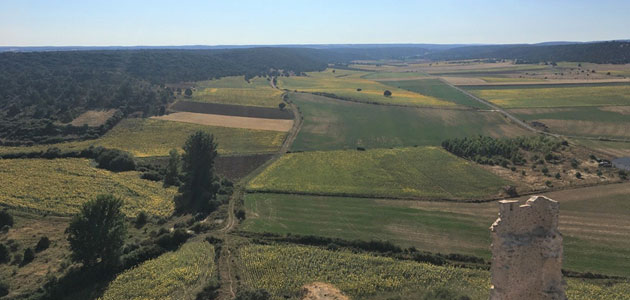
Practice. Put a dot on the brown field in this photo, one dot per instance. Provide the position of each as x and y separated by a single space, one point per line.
232 110
229 121
613 149
93 118
588 128
474 81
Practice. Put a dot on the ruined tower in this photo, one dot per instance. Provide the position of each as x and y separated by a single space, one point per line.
527 251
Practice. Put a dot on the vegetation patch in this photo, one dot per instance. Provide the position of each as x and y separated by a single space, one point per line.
93 118
236 90
331 124
438 89
233 110
61 186
229 121
423 172
173 275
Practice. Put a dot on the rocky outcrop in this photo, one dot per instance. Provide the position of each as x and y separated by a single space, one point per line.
527 251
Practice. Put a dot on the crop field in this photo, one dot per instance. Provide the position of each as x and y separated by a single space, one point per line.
593 221
393 75
61 186
283 270
605 121
348 85
229 121
555 96
422 172
615 149
174 275
438 89
331 124
235 90
232 110
150 137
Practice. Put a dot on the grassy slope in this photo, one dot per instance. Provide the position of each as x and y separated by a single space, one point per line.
332 124
555 96
593 222
425 172
283 270
61 186
438 89
174 275
235 90
344 83
150 137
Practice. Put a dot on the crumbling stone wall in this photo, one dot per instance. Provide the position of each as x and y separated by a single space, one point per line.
527 251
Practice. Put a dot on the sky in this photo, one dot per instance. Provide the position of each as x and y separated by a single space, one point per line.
272 22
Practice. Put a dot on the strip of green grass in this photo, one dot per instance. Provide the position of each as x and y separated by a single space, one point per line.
422 172
438 89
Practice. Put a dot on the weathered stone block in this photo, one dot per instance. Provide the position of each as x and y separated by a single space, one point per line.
527 251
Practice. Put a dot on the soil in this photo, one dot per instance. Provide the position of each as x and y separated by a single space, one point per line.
229 121
233 110
322 291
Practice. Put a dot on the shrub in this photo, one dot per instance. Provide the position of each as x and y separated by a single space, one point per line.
210 291
444 294
578 175
4 254
623 174
28 257
173 240
5 219
4 289
42 244
115 160
558 176
259 294
240 214
141 219
151 175
387 93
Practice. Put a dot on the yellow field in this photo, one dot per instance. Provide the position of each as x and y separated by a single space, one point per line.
174 275
344 83
150 137
61 186
229 121
235 90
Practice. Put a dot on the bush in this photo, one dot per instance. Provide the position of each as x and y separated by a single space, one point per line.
173 240
210 291
141 219
387 93
5 219
42 244
115 160
4 254
240 214
151 175
4 289
558 176
444 294
578 175
259 294
29 256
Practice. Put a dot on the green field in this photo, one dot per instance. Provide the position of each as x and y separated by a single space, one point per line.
174 275
345 84
332 124
555 95
422 172
592 221
393 75
438 89
61 186
235 90
284 269
605 121
150 137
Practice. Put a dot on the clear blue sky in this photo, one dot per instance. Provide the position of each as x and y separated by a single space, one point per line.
239 22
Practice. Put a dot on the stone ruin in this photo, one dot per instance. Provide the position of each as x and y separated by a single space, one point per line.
527 251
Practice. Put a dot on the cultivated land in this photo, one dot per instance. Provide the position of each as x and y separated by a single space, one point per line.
334 124
593 233
438 89
393 75
555 96
232 110
175 275
61 186
229 121
93 118
614 149
283 270
235 90
346 84
150 137
423 172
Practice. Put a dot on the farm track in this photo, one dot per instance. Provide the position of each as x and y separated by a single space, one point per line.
225 264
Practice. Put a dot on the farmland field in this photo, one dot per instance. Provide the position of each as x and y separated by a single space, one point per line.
228 121
592 232
174 275
438 89
61 186
232 110
392 75
235 90
423 172
346 84
283 270
615 149
555 95
150 137
332 124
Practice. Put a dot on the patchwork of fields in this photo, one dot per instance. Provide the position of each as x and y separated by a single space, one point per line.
61 186
331 124
151 137
235 90
423 172
229 121
174 275
283 270
438 89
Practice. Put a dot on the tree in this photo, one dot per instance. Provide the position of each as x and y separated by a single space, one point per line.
188 93
246 294
29 256
97 233
172 169
5 219
387 93
199 187
42 244
282 105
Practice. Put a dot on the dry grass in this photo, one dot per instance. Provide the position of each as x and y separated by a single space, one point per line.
93 118
229 121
